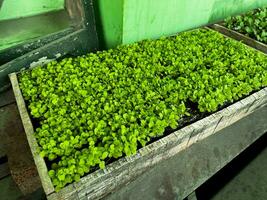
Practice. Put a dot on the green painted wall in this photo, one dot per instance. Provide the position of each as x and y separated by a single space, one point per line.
109 18
12 9
143 19
154 18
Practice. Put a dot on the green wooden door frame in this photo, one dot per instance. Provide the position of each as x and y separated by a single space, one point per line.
27 30
80 38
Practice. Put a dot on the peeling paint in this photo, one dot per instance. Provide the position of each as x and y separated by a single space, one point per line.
58 55
42 61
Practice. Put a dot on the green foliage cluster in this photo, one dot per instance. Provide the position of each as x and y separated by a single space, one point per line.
104 105
252 24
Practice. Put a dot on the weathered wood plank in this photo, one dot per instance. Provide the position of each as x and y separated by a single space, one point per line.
19 50
240 37
39 161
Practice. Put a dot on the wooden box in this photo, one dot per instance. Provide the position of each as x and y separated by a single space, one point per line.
121 172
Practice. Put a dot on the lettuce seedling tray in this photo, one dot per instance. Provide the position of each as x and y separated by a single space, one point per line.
240 37
121 172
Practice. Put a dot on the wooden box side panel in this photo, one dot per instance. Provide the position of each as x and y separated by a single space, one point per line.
102 182
28 127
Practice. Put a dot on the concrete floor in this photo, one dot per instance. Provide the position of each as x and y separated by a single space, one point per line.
245 178
10 191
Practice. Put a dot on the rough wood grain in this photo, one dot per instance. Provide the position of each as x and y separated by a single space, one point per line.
40 163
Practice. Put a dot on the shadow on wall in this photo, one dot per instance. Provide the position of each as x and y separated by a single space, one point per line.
222 9
1 3
99 25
